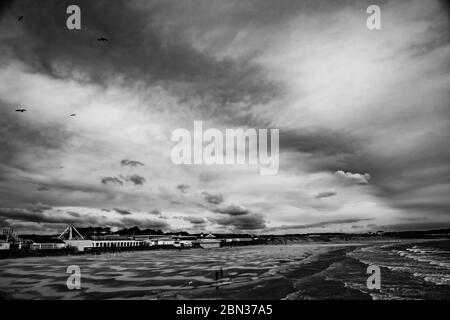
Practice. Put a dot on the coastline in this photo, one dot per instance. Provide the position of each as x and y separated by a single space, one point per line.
242 281
285 283
308 271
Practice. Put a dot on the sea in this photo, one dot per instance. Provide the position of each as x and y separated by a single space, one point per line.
412 269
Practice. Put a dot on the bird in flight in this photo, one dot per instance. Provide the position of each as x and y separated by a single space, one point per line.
20 18
102 39
21 110
73 114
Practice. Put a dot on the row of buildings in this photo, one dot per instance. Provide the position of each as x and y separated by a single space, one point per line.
10 240
71 239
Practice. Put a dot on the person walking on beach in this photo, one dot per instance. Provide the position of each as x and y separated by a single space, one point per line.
221 272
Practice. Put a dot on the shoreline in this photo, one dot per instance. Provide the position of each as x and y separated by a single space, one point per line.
17 254
283 284
270 284
297 271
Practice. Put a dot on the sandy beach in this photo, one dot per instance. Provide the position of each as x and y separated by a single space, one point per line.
260 272
293 272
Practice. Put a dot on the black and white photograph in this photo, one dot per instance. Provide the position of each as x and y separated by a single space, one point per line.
224 150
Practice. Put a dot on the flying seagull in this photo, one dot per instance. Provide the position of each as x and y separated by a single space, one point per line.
20 18
102 39
21 110
73 114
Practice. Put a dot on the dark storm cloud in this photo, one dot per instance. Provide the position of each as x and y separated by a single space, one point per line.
135 179
195 220
329 150
446 7
420 187
40 220
4 6
394 174
213 198
123 212
24 227
325 194
416 179
232 210
414 226
18 136
250 221
74 214
183 187
35 215
145 223
75 186
316 225
23 186
422 171
39 207
112 180
131 163
319 142
138 49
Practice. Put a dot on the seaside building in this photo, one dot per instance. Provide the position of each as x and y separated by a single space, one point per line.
73 239
183 244
47 244
167 241
116 243
87 244
183 241
209 241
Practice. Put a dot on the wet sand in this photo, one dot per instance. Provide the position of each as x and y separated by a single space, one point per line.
410 270
257 272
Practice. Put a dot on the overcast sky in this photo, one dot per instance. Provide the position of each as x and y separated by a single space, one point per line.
363 115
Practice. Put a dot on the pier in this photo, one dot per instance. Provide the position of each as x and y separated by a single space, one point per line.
73 242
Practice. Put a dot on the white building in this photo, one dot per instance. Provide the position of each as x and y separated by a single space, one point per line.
82 245
165 242
149 242
47 244
183 243
116 243
73 238
79 244
209 243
